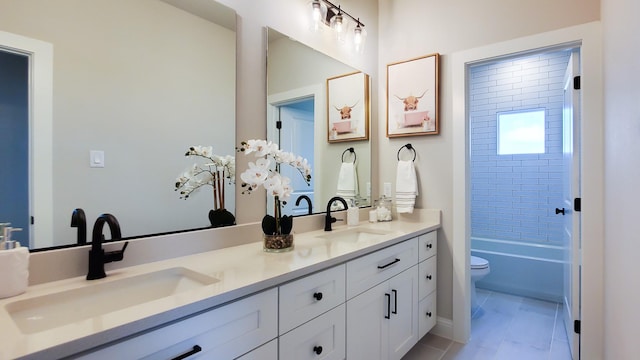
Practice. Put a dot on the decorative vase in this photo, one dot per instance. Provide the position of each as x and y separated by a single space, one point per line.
277 242
221 217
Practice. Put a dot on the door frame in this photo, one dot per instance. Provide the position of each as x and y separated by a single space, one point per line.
40 105
588 37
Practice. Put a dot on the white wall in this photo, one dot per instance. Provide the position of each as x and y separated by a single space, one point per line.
622 174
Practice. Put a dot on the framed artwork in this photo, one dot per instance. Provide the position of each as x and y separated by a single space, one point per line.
348 107
412 97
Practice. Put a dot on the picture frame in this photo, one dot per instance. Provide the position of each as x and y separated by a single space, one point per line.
348 107
413 97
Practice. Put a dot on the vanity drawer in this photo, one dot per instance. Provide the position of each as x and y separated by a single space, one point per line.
427 270
321 338
306 298
365 272
428 245
225 332
427 315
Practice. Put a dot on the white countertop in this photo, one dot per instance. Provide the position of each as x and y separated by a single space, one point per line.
241 271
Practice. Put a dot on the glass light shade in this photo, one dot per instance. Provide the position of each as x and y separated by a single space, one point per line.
359 37
318 13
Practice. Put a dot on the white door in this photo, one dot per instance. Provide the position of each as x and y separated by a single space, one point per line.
571 191
296 135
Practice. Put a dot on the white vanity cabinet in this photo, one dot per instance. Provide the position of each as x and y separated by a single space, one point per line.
225 332
268 351
427 282
381 321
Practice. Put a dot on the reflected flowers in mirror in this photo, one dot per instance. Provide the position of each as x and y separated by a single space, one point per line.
214 171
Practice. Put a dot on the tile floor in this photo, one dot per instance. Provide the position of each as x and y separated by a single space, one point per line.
506 327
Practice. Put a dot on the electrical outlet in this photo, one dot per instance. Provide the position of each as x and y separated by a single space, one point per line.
387 189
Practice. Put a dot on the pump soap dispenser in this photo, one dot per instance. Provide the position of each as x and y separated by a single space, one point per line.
14 264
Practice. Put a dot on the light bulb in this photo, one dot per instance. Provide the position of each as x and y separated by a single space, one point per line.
337 25
357 36
317 11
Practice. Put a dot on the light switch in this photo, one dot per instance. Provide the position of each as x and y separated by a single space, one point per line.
96 158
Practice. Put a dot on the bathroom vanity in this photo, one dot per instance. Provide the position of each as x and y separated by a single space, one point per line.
356 292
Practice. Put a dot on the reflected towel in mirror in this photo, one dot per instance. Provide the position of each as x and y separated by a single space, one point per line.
348 182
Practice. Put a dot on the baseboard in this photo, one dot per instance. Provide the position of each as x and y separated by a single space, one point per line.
443 328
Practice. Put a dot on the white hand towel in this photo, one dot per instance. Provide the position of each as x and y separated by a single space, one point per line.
347 181
406 186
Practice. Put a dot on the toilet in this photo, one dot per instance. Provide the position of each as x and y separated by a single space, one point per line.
479 269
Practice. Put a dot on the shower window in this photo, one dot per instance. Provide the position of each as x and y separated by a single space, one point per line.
521 132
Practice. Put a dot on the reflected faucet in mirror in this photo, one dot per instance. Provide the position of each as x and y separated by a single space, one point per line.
97 256
328 219
79 220
305 197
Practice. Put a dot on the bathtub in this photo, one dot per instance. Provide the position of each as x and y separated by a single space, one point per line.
524 269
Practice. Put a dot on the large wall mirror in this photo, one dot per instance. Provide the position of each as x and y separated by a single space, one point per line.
297 97
140 82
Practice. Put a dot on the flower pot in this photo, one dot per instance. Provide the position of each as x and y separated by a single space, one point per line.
277 242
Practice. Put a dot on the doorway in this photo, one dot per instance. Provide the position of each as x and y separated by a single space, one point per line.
14 142
520 165
588 38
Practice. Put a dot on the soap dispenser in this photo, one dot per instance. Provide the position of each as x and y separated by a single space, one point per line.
14 264
353 214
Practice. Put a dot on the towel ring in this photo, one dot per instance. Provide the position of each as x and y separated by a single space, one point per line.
408 146
351 150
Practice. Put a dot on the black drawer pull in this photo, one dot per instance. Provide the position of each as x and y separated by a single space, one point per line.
388 316
196 349
317 296
429 246
395 305
317 350
429 277
389 264
429 314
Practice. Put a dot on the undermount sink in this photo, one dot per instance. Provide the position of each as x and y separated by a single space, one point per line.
354 234
62 308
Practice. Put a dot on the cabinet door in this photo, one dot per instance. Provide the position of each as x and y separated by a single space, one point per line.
321 338
268 351
403 325
368 316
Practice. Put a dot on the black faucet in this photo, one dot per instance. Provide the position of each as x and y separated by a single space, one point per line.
79 220
305 197
97 256
328 219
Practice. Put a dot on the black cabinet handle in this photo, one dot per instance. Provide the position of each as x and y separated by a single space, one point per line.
429 277
389 264
317 350
429 314
196 349
388 316
317 296
395 305
429 246
559 211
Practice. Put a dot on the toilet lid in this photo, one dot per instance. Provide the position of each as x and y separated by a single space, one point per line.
479 263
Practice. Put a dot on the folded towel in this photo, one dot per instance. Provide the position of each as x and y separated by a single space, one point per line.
406 186
348 181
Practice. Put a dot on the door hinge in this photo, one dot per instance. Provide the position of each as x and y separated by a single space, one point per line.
576 326
576 83
33 220
577 204
279 124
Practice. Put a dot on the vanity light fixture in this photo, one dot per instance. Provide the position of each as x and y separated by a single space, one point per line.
333 16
